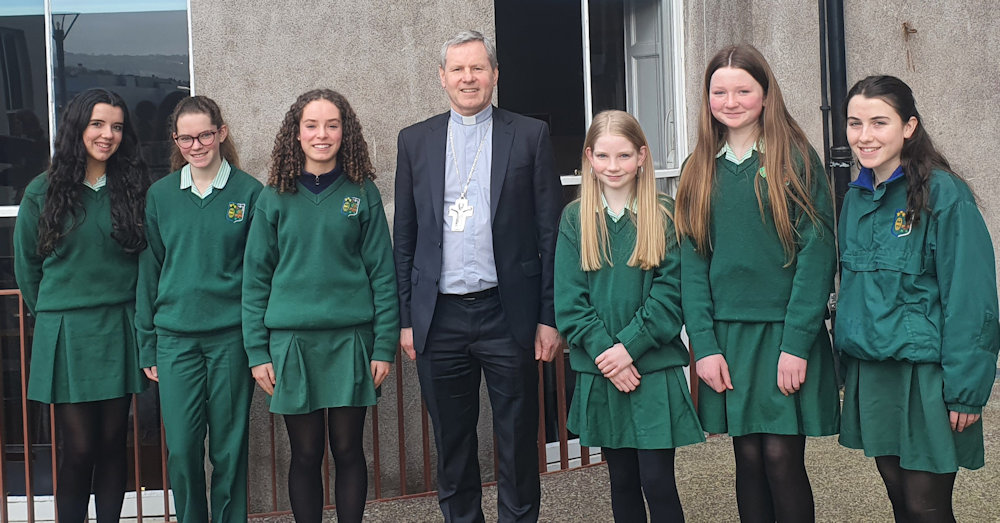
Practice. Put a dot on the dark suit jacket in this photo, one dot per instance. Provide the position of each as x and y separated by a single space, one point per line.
525 202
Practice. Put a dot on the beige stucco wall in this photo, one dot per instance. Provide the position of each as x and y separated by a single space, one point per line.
256 57
786 32
952 64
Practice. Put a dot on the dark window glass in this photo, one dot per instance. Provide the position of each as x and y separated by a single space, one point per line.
141 55
24 124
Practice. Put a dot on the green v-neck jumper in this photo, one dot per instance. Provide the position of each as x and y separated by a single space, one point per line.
83 298
640 309
319 294
191 275
744 301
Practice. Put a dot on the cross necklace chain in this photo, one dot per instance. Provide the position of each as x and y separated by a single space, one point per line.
461 210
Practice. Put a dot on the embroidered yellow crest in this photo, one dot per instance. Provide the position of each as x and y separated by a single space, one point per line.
900 226
351 204
236 212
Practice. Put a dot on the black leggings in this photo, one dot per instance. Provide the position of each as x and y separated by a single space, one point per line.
771 480
917 496
91 438
636 472
305 481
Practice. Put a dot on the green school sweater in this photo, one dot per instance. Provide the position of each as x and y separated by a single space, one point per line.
924 293
191 275
88 267
320 261
744 277
617 303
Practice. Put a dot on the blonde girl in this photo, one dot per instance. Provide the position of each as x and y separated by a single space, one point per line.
755 215
617 301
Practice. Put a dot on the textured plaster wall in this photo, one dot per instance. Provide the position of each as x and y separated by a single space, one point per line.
952 64
255 57
786 32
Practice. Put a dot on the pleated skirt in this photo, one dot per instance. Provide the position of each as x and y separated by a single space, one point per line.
896 408
317 369
85 355
756 405
658 414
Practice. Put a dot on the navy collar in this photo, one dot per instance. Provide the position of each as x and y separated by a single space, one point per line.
866 178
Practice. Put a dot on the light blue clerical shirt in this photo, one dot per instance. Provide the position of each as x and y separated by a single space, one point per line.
468 264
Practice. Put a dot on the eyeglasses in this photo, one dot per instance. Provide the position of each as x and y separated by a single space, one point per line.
206 138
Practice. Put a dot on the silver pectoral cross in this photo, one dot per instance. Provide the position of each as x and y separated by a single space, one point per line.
459 211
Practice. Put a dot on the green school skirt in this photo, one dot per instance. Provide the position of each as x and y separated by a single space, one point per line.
896 408
85 355
656 415
755 405
316 369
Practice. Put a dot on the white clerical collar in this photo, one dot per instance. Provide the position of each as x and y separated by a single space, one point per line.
477 118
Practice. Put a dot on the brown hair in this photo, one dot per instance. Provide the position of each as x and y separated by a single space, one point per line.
202 105
651 215
288 159
784 148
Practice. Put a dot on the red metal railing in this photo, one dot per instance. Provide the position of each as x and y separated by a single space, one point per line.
389 482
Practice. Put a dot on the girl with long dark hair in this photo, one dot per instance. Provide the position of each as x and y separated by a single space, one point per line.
77 238
320 311
917 322
188 311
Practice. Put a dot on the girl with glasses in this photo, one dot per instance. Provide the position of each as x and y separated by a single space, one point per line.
188 311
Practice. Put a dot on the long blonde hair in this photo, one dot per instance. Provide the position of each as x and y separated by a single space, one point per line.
651 215
781 137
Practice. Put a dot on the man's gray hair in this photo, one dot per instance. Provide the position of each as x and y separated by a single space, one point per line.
471 36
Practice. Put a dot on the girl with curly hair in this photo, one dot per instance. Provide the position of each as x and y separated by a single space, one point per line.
76 244
320 312
188 311
755 212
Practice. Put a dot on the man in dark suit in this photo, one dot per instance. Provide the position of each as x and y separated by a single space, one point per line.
477 211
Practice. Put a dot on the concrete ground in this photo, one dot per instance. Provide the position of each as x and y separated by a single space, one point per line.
846 487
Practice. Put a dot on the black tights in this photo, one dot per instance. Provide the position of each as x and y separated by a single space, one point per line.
91 439
305 481
637 472
771 480
917 496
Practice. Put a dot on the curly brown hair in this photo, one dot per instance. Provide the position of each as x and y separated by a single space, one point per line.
288 159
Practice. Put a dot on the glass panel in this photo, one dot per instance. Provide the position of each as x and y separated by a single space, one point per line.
607 54
24 124
140 54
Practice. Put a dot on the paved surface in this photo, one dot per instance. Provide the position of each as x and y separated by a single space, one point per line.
846 486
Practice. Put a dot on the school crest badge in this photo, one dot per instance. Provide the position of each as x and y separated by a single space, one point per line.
351 204
237 211
900 225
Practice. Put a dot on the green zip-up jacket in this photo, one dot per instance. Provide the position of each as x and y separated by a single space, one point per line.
924 293
191 275
320 261
87 269
744 277
596 309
